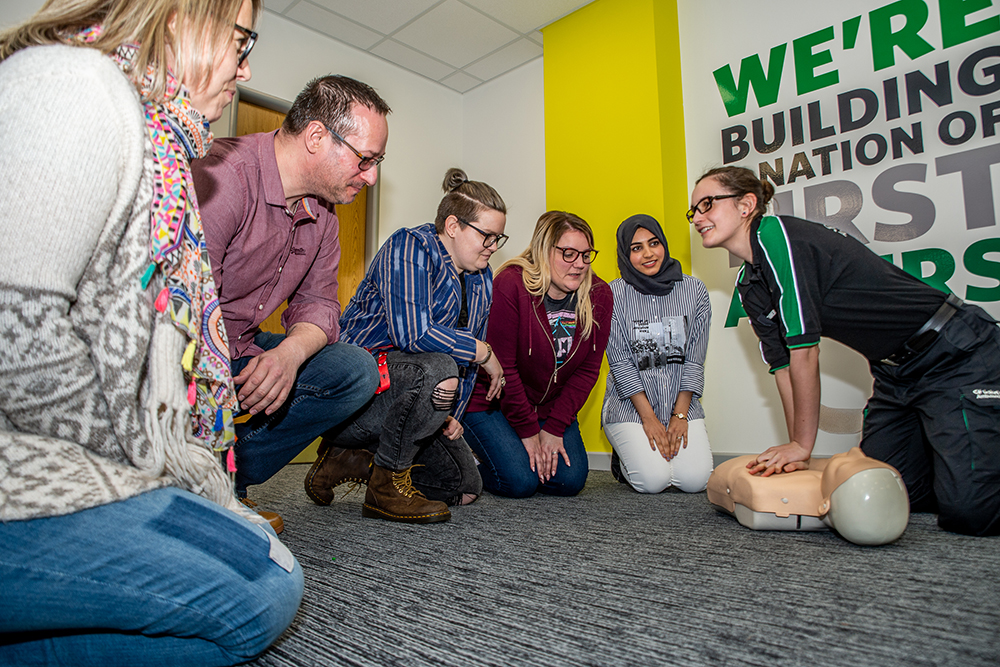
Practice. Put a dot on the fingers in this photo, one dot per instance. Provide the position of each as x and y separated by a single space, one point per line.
675 446
265 385
453 428
497 383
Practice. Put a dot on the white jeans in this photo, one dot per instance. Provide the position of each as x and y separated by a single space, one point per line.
646 469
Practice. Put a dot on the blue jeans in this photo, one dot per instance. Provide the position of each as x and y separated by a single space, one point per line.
504 464
332 385
166 577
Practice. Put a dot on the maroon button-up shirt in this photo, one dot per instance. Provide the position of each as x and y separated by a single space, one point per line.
262 253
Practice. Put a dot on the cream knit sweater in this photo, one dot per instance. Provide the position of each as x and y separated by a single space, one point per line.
93 402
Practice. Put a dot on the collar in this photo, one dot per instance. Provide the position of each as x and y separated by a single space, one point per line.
274 191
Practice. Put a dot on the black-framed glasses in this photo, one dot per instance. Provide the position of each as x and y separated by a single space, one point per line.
489 238
250 37
366 162
705 205
570 254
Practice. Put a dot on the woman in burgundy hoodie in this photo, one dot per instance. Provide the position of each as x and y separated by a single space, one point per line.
549 326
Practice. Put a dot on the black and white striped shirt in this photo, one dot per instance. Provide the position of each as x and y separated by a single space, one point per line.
657 345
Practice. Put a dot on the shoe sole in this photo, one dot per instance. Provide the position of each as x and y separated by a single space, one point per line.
373 512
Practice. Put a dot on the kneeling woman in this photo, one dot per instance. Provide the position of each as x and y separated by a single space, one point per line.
659 336
424 304
549 327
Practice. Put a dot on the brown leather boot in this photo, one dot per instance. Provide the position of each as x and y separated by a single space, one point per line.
272 518
333 467
391 496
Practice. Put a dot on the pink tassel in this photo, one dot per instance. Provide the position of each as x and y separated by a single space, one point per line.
192 392
161 301
231 460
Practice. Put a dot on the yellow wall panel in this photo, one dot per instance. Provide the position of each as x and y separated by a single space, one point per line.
614 133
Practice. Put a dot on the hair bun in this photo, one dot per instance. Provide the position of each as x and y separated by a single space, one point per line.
768 193
454 178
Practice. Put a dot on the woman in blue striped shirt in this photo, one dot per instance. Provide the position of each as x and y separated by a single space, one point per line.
659 336
424 302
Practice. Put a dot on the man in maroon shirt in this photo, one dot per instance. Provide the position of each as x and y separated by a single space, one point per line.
267 209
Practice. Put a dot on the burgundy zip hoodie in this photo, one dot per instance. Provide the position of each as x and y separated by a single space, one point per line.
519 333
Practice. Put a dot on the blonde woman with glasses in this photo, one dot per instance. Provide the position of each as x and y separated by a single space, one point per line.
549 326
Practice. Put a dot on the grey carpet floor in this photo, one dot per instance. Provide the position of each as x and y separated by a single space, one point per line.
612 577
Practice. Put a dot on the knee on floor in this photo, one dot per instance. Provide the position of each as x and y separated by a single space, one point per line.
970 520
276 600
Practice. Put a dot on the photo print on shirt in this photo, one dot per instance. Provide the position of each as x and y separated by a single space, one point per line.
659 342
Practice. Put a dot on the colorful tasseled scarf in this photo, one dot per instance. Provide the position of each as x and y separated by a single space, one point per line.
180 133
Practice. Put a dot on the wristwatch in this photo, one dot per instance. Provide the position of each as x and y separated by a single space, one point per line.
679 415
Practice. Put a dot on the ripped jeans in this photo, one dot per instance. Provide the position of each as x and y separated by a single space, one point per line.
402 426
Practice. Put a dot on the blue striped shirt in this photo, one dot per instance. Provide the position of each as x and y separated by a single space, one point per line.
410 300
657 345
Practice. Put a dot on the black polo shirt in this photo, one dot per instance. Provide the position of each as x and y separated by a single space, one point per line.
808 280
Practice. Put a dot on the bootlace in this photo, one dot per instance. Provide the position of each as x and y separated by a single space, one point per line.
404 485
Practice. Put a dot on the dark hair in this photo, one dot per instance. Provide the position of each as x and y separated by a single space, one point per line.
465 199
330 100
741 181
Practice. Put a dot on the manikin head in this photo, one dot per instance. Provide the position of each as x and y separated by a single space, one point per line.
864 500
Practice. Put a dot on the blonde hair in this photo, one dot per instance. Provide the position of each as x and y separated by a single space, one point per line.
203 26
536 271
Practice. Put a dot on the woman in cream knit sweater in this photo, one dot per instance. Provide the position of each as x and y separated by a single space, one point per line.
117 517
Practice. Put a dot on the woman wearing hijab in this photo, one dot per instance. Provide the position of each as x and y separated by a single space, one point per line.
659 336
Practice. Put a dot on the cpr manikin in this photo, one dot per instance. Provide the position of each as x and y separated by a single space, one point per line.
864 500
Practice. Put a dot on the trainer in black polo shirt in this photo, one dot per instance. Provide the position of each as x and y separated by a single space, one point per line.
934 413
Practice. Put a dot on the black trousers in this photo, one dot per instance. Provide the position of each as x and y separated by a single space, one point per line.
936 419
402 427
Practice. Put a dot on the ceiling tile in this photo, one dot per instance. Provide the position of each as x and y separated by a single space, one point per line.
505 59
527 15
385 16
537 37
412 60
455 33
335 26
461 82
278 6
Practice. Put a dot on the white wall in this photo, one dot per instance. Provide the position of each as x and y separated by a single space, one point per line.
13 12
503 144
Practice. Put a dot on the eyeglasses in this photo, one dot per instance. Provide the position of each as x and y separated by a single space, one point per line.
250 37
489 238
570 254
705 205
366 162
